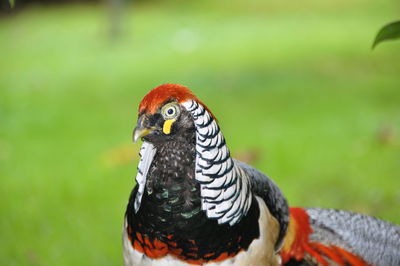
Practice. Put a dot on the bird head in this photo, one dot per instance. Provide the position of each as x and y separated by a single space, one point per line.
161 114
172 113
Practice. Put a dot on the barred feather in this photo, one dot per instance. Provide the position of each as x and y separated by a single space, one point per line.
225 187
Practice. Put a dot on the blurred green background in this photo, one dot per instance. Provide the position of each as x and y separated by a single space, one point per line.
297 90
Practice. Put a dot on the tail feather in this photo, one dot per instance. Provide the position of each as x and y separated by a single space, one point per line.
298 249
375 241
325 236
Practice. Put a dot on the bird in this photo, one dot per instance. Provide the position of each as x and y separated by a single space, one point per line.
193 204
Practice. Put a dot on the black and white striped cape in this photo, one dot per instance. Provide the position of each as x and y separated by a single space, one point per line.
225 187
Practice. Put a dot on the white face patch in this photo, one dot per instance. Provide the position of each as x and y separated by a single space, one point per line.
225 187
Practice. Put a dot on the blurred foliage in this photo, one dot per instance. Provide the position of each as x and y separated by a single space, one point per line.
388 32
295 87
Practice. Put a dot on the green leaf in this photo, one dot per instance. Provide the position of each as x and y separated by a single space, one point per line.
12 3
389 32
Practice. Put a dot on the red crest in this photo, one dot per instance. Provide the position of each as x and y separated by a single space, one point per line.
167 92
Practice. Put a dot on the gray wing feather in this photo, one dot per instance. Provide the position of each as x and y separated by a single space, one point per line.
265 188
376 241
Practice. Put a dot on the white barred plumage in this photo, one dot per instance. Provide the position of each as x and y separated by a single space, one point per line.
225 187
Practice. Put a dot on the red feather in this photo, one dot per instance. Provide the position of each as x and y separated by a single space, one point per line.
167 92
297 245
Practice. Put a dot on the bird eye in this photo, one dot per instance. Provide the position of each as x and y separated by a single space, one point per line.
170 111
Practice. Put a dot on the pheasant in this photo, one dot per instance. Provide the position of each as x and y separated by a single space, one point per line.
194 204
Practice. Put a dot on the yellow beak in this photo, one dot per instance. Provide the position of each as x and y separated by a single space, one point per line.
140 132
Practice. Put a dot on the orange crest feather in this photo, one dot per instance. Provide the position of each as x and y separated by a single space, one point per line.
167 92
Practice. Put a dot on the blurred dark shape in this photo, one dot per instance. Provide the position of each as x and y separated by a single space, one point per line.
115 8
5 6
54 1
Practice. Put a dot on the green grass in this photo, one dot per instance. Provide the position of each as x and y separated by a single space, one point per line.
294 83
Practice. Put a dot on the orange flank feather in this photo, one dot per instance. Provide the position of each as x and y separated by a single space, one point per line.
157 249
164 93
297 245
136 245
297 235
350 258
